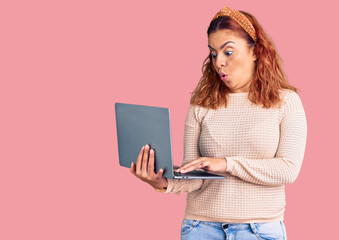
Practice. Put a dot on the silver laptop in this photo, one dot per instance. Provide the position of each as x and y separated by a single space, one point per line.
138 125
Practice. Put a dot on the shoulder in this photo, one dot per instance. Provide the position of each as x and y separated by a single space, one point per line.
291 102
195 114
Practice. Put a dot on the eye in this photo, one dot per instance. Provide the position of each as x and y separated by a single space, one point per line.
228 53
213 55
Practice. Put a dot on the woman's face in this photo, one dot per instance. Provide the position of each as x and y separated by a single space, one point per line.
232 59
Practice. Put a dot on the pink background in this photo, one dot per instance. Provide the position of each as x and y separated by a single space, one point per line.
65 63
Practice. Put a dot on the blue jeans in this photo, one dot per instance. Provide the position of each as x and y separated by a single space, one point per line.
195 230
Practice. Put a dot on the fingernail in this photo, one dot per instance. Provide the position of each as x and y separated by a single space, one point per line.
199 166
152 151
147 146
132 164
142 147
182 171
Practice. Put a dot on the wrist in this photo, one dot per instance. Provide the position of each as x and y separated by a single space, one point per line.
223 165
161 185
160 189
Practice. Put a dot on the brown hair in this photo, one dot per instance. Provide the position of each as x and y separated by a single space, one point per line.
269 78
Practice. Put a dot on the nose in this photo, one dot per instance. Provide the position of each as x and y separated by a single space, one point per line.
220 61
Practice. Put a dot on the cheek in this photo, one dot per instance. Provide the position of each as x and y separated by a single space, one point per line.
213 64
235 66
240 67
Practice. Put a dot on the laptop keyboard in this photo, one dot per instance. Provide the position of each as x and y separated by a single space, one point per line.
195 173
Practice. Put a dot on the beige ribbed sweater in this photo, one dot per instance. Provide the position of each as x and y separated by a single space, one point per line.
264 149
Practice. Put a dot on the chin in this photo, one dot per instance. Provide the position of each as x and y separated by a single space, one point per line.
228 83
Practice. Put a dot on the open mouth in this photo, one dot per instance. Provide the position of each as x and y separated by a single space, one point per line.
223 77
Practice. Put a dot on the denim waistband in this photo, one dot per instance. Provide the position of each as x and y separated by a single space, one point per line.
231 226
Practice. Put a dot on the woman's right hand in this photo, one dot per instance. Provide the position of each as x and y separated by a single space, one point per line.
144 169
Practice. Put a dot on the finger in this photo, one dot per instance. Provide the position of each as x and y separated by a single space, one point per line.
132 168
191 168
139 160
191 163
204 164
145 160
198 165
160 174
151 162
198 160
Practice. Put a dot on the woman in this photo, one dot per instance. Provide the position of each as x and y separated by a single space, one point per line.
246 121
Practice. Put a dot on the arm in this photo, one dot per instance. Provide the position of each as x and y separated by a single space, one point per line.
285 166
191 151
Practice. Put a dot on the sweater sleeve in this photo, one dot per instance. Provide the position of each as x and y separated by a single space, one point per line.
193 120
285 166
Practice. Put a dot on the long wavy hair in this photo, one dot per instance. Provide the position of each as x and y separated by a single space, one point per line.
269 76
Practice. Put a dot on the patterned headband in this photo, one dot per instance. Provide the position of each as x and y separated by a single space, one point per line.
240 18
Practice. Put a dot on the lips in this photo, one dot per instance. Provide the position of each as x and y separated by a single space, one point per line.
223 76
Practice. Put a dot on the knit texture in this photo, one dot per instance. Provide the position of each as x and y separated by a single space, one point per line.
264 149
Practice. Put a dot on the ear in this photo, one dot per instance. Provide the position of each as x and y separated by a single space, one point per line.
254 57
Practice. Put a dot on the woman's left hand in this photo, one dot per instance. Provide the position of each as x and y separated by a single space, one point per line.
210 164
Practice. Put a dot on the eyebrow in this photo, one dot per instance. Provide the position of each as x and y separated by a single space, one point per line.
222 46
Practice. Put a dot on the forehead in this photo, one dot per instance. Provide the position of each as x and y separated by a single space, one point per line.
216 39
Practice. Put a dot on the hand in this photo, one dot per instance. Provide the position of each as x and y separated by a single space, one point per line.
210 164
144 169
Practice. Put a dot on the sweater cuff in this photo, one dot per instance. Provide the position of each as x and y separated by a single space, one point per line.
229 164
170 185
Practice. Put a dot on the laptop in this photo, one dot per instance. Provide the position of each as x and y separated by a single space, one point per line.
138 125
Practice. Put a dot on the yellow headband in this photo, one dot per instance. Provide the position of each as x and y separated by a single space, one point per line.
240 18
